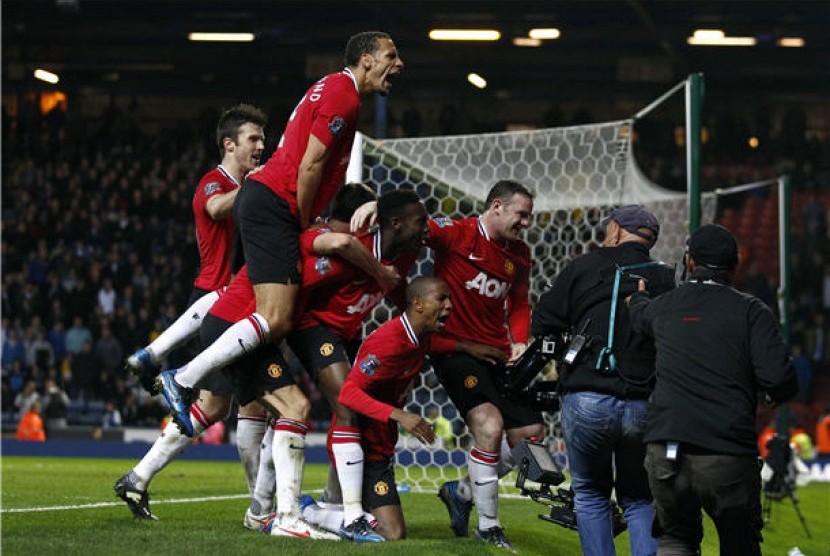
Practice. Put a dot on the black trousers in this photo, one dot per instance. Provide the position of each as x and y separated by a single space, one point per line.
727 487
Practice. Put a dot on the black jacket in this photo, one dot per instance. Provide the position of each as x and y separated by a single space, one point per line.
716 348
583 290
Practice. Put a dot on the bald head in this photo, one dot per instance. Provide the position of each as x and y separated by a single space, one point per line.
420 288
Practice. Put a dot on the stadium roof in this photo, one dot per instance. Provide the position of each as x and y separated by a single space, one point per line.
624 48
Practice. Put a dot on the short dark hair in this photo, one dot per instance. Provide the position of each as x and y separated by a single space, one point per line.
235 117
393 204
348 199
362 43
504 190
420 287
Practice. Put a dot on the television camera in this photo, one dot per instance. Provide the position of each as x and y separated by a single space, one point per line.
535 465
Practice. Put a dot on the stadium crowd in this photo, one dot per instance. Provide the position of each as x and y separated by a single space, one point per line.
99 253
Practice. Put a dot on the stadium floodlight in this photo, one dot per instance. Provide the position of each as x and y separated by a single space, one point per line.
47 76
526 41
545 33
221 37
716 37
464 34
791 42
476 80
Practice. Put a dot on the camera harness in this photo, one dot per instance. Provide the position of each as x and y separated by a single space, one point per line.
606 354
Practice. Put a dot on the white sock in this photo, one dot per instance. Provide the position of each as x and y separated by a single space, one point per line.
242 337
485 486
184 328
465 489
262 499
329 517
289 458
249 432
506 461
348 457
168 446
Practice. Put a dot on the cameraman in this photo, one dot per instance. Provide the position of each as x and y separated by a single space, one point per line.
716 348
606 388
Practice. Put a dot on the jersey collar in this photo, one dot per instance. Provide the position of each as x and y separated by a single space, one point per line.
227 174
348 71
407 326
376 246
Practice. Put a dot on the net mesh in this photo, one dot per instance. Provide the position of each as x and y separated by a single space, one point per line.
577 174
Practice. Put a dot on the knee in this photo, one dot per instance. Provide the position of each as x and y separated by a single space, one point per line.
393 531
279 326
487 425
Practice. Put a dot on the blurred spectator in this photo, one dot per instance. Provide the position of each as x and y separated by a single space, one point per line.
112 417
55 406
40 352
29 395
108 349
16 377
84 372
14 349
57 338
77 336
106 298
30 426
7 401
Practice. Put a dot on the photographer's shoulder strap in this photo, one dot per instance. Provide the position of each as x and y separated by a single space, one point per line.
606 354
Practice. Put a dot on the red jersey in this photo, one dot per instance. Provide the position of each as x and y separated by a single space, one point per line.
386 366
214 237
338 294
488 282
329 111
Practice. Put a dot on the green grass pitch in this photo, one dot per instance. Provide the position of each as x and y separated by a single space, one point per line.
66 506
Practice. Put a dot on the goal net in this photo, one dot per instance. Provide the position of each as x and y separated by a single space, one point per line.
577 174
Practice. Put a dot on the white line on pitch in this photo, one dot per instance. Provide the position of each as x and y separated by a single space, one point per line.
108 504
170 501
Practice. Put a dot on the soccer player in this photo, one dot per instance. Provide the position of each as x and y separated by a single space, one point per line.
328 331
281 200
486 265
216 397
241 140
377 388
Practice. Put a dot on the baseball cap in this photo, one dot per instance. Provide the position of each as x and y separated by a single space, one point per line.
714 246
632 218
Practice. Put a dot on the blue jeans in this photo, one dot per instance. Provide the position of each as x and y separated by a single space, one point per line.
604 434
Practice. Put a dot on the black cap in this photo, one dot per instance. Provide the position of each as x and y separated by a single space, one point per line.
713 246
632 218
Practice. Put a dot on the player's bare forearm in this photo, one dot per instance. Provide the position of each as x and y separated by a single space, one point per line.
220 206
308 182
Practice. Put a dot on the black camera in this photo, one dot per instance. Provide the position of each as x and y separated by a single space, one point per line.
536 465
540 395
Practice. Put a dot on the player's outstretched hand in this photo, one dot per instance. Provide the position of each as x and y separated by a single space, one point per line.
491 354
365 216
415 425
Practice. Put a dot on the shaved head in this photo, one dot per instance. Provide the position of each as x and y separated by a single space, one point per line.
420 288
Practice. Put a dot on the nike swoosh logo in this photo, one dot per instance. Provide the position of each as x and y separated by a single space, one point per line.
474 258
354 462
242 345
482 483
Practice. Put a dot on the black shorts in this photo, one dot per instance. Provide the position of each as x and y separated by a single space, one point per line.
379 488
470 382
318 347
259 372
269 235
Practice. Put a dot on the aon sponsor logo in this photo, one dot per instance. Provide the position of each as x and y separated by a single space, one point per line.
488 287
365 304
